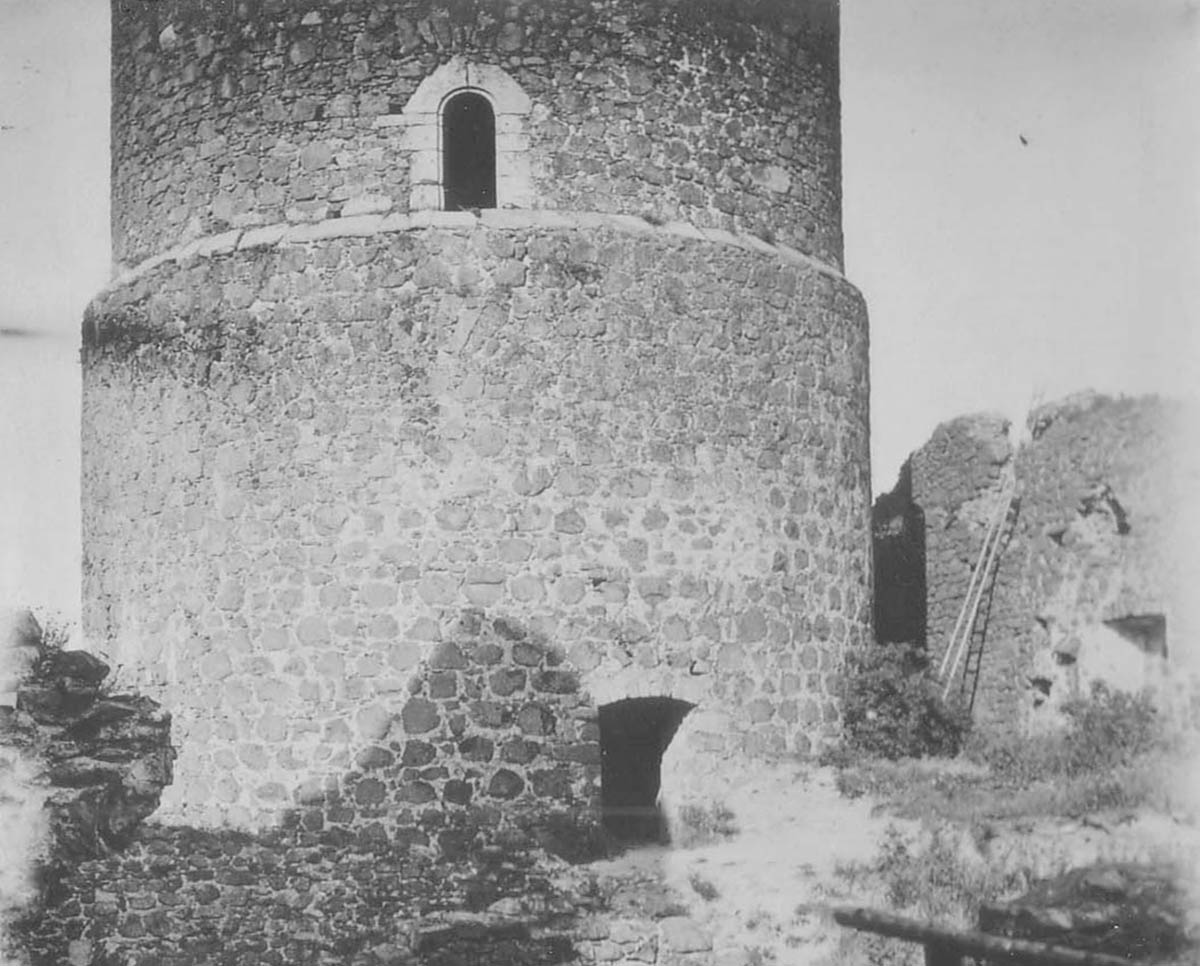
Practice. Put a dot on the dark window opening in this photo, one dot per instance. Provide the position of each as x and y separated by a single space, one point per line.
1148 632
468 152
634 733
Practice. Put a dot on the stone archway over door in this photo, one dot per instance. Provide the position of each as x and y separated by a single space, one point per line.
634 733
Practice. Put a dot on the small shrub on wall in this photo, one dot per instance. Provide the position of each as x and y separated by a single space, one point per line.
891 707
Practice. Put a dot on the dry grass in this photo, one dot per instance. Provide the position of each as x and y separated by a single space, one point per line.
959 792
1115 755
1116 765
702 824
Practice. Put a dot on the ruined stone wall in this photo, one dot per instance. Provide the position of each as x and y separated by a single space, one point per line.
954 477
80 769
234 115
188 897
1098 559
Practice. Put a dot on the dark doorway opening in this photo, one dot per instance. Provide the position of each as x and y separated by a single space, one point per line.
634 733
468 152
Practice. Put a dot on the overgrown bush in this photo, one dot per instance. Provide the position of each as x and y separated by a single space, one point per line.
938 882
1106 731
1110 728
933 878
891 707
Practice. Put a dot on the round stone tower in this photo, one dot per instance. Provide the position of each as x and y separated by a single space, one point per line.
479 402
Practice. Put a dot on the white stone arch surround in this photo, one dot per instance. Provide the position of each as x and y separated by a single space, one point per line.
606 685
693 759
421 139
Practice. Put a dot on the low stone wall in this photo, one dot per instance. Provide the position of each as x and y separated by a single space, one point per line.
675 940
184 897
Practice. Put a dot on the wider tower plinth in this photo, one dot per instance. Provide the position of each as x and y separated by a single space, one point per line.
381 492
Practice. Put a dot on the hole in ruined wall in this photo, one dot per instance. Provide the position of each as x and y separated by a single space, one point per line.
1147 632
1127 653
898 542
468 152
1103 501
634 733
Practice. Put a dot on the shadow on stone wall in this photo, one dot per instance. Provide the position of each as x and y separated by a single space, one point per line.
496 744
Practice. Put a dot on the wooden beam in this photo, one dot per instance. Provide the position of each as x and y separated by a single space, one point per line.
947 947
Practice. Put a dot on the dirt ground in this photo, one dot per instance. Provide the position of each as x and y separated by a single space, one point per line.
795 848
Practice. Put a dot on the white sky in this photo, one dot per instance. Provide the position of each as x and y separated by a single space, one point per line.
991 269
994 269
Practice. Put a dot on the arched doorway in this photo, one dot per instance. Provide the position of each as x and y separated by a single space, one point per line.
634 733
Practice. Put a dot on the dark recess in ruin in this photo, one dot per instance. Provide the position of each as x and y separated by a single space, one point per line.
898 524
634 733
1148 632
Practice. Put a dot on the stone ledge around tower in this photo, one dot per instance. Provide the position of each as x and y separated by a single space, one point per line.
379 220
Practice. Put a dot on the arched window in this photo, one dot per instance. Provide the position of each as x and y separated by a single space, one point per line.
465 131
468 152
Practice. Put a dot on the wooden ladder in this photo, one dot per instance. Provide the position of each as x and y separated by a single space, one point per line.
965 646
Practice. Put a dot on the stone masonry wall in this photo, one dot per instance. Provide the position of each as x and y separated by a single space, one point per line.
235 115
184 897
1100 541
304 461
326 423
954 477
